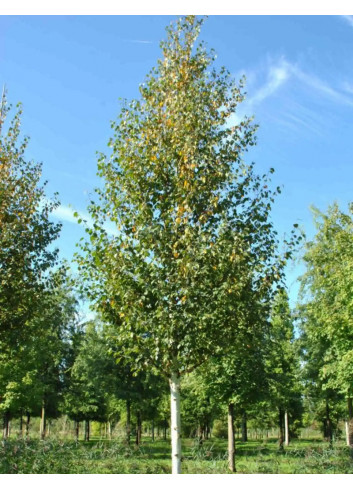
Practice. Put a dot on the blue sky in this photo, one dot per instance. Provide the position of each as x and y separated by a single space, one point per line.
70 71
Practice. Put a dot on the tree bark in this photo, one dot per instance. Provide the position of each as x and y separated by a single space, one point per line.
43 422
152 430
175 430
128 421
87 433
27 425
165 430
199 435
346 425
77 430
329 433
281 434
138 428
244 427
350 422
21 426
109 430
6 429
231 438
286 428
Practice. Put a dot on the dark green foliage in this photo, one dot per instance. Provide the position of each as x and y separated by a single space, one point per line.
282 366
26 232
326 315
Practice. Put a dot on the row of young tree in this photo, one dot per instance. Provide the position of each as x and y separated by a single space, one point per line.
189 289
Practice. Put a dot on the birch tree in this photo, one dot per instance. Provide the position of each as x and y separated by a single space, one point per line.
190 216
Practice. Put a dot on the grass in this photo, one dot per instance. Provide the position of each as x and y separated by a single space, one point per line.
54 456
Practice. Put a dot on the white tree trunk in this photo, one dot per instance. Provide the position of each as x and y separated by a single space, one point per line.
175 422
347 432
42 427
231 440
286 429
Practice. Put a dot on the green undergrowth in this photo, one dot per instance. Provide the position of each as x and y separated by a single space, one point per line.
55 456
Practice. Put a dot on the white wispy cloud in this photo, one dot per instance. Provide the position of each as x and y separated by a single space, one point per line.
300 120
282 71
300 85
349 19
321 86
67 213
277 75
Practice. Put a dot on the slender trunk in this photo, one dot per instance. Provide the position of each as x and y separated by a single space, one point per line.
244 427
43 422
21 426
138 428
27 425
328 424
128 421
350 422
152 430
175 431
6 422
286 428
231 438
87 433
199 435
109 430
281 434
77 430
158 430
165 430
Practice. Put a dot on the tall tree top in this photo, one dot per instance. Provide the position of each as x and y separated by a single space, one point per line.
193 234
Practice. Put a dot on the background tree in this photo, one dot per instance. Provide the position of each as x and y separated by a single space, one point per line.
26 256
198 408
26 231
236 379
283 366
190 216
327 288
90 381
32 372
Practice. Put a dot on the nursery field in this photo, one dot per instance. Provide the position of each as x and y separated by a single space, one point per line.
52 456
165 330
